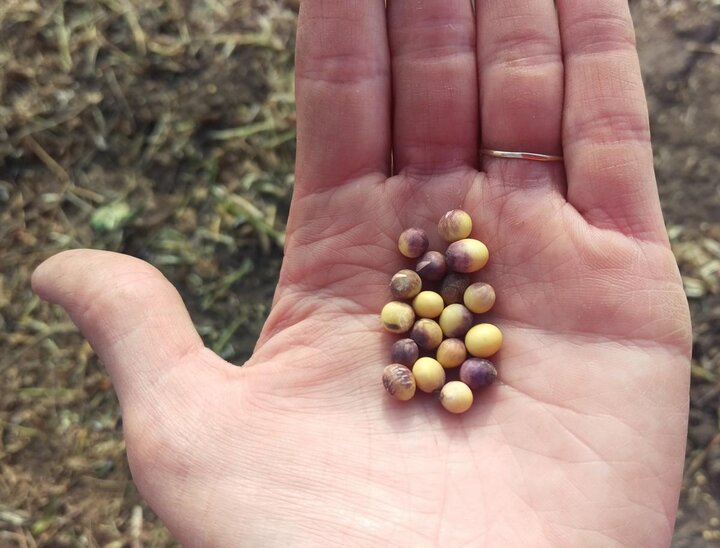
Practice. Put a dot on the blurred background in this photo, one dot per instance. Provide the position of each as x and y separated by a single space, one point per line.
165 129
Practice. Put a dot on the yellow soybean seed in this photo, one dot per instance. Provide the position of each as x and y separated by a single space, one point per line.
451 353
483 340
397 317
455 320
399 382
456 397
466 256
428 304
479 298
429 375
455 225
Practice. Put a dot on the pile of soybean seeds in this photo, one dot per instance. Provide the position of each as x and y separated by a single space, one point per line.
436 305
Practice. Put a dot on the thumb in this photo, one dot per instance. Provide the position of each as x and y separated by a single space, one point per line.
131 314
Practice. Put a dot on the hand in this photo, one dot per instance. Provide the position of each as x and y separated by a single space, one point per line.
580 444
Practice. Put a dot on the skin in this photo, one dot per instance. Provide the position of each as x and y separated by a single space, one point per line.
581 440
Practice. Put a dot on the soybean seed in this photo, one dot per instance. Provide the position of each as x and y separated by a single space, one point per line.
399 382
455 225
427 334
456 397
431 266
429 375
466 256
413 242
453 287
397 317
455 320
451 353
405 351
479 298
405 284
428 304
477 373
483 340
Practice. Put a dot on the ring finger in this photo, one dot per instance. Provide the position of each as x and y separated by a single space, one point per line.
521 82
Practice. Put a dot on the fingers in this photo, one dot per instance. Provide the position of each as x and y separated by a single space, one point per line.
434 84
521 78
343 93
132 316
606 135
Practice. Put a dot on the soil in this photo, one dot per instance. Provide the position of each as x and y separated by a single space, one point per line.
165 129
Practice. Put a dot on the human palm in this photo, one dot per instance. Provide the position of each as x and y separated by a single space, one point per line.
580 442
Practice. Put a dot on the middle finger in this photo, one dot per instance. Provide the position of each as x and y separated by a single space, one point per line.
432 46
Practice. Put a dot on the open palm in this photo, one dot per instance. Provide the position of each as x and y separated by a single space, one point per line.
580 443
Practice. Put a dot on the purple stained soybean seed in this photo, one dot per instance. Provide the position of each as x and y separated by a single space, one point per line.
477 373
405 351
405 284
466 256
399 382
431 266
427 334
455 320
453 288
413 242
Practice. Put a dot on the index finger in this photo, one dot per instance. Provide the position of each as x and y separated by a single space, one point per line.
343 92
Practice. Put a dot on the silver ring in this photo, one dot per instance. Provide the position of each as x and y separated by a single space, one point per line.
521 155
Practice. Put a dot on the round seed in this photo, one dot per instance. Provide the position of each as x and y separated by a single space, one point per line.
451 353
427 334
428 304
453 287
483 340
456 397
431 266
455 225
405 351
455 320
429 375
405 284
479 297
477 373
466 256
397 317
413 242
398 380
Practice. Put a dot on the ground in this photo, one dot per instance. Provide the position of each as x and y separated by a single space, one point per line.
165 129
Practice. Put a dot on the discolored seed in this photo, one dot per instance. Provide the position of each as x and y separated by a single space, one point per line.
453 287
413 242
456 397
398 380
451 353
477 373
405 284
466 256
431 266
428 304
479 297
455 320
405 351
429 375
455 225
397 317
427 334
483 340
